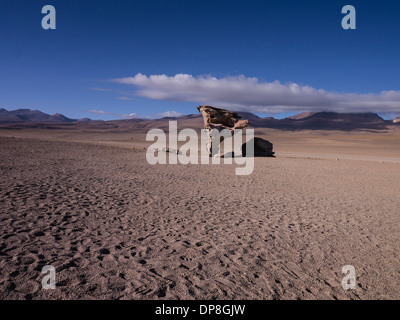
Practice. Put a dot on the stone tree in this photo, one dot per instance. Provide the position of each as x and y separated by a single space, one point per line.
220 119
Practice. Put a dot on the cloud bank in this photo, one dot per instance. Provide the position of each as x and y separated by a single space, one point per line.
249 94
100 112
113 114
170 114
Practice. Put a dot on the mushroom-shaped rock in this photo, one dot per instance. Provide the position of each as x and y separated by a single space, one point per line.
220 119
216 118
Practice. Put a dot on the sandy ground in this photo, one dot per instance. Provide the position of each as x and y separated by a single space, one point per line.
115 227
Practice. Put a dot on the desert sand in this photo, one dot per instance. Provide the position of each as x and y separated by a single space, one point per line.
115 227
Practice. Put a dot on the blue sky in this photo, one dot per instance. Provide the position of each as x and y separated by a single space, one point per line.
116 59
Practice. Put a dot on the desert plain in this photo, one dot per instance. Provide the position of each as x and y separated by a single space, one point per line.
86 201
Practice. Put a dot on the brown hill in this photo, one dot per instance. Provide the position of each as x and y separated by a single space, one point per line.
304 121
335 121
28 115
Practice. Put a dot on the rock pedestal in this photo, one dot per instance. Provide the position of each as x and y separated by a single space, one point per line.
220 119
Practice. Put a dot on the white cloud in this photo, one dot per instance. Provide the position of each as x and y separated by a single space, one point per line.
250 94
129 116
123 98
118 115
100 89
170 114
100 112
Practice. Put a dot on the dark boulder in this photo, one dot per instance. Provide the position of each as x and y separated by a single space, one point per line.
262 148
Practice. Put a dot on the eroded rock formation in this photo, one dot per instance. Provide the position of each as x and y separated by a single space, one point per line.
216 118
220 119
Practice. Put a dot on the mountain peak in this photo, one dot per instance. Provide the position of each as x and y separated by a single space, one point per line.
28 115
302 115
329 115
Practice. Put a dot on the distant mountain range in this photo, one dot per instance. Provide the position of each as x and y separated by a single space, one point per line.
308 121
302 121
28 115
322 121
